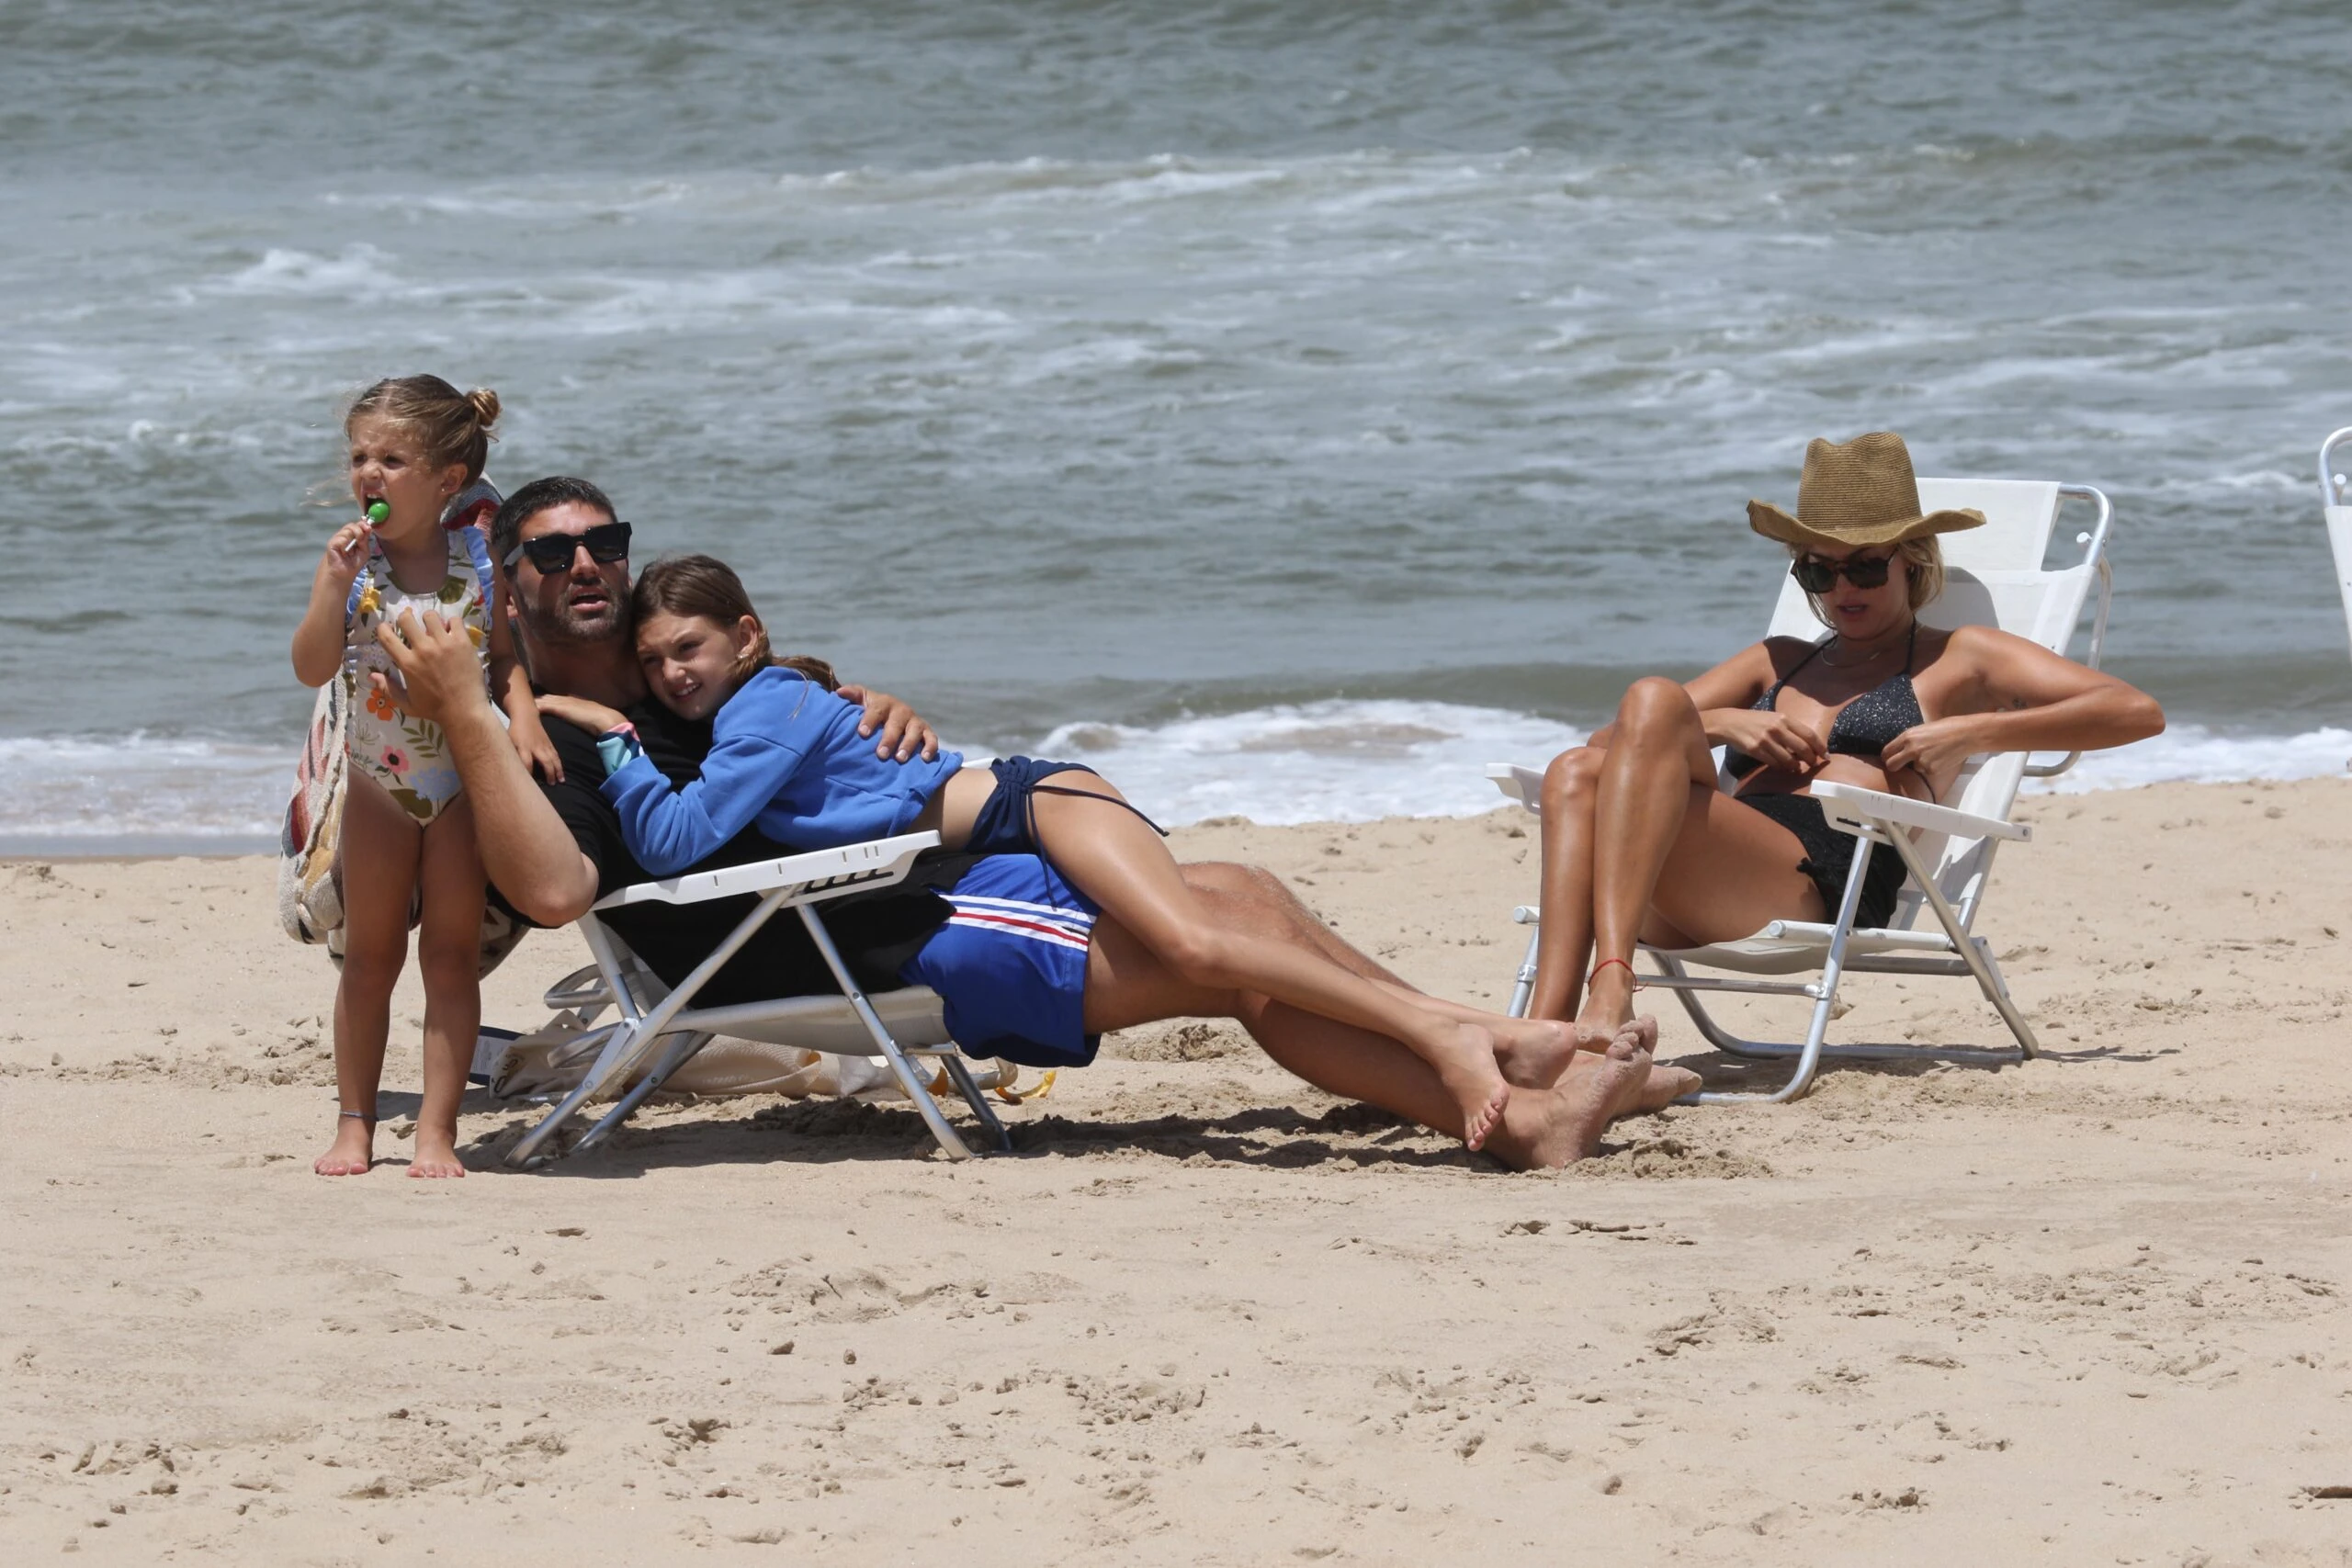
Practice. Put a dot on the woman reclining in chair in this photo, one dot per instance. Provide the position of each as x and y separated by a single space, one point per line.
1640 844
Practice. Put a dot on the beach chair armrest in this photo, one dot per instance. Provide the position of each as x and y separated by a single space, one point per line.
1523 785
1849 806
820 875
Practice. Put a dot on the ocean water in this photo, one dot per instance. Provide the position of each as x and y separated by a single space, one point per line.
1287 408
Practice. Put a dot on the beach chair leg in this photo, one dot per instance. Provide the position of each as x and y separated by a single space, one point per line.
1824 999
619 1045
968 1086
1974 952
942 1130
677 1053
1523 989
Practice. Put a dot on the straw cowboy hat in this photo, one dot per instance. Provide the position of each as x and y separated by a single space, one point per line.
1859 493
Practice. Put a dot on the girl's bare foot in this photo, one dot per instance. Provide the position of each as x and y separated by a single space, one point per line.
353 1149
1533 1052
1464 1059
436 1155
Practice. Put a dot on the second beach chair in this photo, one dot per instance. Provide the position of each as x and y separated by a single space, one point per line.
1997 576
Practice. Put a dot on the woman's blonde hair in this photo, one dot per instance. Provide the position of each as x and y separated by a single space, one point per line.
453 426
708 589
1925 559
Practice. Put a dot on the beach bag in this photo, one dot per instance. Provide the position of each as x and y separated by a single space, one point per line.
310 841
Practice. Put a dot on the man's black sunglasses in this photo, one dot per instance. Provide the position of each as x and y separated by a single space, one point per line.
1815 575
551 553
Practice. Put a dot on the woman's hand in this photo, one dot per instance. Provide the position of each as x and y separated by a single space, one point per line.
1933 752
531 744
593 717
1775 740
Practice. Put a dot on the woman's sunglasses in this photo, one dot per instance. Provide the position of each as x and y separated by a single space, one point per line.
1815 575
551 553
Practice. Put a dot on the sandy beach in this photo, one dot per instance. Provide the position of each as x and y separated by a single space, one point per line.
2090 1309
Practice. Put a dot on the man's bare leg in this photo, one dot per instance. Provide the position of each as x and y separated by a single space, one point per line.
1531 1053
1127 985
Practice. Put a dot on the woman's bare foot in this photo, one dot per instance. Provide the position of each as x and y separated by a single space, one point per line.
353 1149
1463 1055
436 1155
1533 1052
1547 1131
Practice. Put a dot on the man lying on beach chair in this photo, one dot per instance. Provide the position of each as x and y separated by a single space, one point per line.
553 849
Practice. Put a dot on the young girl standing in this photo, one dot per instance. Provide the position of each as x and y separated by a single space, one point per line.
408 836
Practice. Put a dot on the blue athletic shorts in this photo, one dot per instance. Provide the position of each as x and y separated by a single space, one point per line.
1011 964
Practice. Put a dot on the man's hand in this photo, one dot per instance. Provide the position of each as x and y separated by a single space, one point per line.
903 732
437 664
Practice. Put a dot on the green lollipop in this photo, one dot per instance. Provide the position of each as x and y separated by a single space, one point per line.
379 513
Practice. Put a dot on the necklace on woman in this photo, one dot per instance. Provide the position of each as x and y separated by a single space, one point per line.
1854 663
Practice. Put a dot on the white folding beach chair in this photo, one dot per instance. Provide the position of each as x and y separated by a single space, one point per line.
659 1029
1994 576
2335 497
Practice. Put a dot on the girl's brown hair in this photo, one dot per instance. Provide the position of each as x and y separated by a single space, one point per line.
453 425
708 589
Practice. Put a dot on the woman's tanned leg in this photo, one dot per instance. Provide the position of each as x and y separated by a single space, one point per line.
1670 858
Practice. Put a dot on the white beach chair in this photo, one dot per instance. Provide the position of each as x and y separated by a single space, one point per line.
2335 498
1994 576
659 1029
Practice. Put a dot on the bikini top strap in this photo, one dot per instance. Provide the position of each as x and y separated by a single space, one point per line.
1773 696
1911 648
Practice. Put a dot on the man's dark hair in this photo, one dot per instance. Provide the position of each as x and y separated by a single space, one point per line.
556 490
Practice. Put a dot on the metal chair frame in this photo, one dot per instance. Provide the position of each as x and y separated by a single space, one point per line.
653 1016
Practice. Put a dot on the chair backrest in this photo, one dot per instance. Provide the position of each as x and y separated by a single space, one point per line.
1994 577
2335 497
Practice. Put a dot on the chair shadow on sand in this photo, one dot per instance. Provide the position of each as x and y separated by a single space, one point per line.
826 1130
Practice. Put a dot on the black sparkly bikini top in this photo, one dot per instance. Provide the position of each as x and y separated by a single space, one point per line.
1865 726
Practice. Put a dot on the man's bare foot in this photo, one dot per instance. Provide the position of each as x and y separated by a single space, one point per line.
1533 1052
1463 1055
1547 1131
436 1155
1666 1086
353 1151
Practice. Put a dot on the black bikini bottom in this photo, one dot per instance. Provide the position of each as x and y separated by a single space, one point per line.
1829 857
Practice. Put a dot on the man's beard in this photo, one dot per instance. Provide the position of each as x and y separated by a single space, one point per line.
563 626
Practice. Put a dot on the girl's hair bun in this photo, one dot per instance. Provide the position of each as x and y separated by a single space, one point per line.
452 426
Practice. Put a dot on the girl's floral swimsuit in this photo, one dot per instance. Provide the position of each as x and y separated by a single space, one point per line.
408 756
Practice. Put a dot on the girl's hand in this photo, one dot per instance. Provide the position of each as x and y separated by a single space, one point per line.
1775 740
531 744
1931 752
347 553
593 717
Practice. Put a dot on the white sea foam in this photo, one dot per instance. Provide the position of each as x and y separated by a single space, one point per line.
140 786
1337 760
